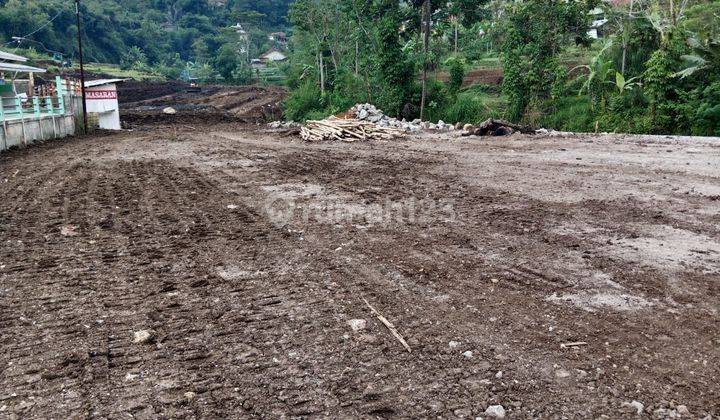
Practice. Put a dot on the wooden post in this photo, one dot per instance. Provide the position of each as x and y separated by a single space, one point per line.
4 135
82 66
31 84
322 74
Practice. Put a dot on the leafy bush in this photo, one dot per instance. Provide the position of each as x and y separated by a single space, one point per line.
704 107
438 98
348 90
134 58
242 74
468 108
302 102
317 115
227 62
456 67
571 113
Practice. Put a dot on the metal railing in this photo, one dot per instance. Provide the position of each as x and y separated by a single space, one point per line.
36 106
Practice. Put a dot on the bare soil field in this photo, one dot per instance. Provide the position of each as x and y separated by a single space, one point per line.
203 270
144 103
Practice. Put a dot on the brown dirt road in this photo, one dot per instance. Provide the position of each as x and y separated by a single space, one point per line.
517 246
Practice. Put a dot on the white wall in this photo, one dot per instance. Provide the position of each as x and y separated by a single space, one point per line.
102 100
22 133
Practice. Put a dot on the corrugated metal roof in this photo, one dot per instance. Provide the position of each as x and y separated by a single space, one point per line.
12 57
22 68
100 82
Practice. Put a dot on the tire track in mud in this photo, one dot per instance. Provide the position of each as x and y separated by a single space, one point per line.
116 269
51 297
251 319
520 224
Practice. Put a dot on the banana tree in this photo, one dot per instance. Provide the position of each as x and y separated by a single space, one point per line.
624 85
706 56
598 72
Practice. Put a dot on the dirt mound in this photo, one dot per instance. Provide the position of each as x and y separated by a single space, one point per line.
134 91
250 104
134 119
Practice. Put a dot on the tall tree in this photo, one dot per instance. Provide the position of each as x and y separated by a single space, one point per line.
426 22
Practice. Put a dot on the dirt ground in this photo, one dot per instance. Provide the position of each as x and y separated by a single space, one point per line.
247 257
143 104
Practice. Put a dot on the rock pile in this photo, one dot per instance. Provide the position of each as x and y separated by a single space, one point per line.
370 113
282 124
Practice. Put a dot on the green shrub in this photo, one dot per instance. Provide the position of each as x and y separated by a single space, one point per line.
572 113
707 111
456 67
302 102
348 90
438 98
317 115
471 109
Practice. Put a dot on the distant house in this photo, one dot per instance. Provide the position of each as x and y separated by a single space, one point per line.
257 63
279 37
273 56
241 32
597 26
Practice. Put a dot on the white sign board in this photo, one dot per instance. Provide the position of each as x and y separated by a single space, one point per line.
102 100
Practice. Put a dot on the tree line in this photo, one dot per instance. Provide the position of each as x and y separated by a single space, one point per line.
655 70
159 35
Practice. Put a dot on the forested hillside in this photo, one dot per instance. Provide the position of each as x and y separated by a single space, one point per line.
644 66
150 31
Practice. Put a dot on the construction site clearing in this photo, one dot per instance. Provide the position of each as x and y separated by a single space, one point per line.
200 264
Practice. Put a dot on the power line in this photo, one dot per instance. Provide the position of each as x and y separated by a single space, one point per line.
45 25
19 39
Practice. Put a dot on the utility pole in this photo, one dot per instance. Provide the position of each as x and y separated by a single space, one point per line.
82 67
426 18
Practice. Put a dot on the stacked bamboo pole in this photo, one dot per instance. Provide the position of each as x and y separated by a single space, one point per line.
348 130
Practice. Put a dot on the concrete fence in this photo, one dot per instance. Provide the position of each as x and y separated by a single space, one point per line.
25 131
41 118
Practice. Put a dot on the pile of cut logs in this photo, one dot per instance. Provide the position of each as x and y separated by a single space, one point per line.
348 130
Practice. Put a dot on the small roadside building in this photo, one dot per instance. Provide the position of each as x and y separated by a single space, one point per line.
598 22
29 113
12 66
102 99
